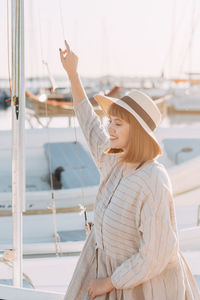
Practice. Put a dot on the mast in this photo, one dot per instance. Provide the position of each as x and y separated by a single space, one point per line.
18 121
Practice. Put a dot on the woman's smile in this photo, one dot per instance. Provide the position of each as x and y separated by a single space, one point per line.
118 130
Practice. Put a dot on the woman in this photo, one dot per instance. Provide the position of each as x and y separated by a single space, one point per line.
132 251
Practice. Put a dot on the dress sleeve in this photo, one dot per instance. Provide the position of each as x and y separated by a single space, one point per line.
94 132
158 243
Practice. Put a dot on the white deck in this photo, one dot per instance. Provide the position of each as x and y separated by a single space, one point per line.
54 274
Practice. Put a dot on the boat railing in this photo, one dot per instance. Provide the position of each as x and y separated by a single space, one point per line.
14 293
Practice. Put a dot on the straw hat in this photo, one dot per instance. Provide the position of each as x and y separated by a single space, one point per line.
140 105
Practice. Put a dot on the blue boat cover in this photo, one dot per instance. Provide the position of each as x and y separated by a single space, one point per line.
181 150
79 167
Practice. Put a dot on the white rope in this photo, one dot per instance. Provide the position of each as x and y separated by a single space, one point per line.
45 63
52 80
8 48
53 204
7 259
175 36
40 33
169 52
194 23
82 204
61 20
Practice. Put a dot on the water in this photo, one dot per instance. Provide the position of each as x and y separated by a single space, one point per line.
176 120
180 120
58 122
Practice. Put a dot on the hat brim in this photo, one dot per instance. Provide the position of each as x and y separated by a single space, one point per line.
105 102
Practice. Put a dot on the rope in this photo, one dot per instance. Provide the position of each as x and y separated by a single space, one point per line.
82 205
14 98
61 20
175 34
40 34
194 23
52 80
53 204
169 52
45 63
7 259
8 48
19 59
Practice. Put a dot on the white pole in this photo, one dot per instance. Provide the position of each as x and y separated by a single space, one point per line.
18 155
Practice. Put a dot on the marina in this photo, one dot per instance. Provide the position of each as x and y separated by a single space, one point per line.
38 219
48 177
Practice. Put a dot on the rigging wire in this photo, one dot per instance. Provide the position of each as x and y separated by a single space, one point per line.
82 204
61 20
8 49
40 34
7 258
19 61
194 23
174 33
53 204
169 52
15 97
52 80
44 62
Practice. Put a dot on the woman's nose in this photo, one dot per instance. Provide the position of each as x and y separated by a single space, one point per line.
111 128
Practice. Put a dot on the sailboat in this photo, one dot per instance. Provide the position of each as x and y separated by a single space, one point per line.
19 203
18 163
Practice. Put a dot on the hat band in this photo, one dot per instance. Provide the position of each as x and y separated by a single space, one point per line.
140 111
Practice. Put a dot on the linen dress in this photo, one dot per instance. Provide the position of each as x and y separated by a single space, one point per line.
134 237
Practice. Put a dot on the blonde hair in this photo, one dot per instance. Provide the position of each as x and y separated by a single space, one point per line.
141 146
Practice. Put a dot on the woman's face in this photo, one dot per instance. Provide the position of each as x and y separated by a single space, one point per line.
118 130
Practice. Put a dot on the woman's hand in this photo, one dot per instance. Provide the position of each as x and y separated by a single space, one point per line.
69 61
99 287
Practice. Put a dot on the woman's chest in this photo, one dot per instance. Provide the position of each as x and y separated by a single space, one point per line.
116 218
117 204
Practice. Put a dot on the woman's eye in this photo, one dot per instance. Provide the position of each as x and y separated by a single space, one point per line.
110 121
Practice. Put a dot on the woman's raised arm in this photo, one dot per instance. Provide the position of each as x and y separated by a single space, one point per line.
95 134
70 63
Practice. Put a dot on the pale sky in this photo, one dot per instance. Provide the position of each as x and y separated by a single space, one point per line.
116 37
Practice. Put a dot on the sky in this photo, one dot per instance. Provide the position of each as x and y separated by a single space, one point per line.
110 37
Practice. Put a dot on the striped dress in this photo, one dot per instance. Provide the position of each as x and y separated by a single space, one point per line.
134 237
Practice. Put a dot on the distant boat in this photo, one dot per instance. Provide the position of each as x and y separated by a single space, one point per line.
185 101
45 153
58 149
58 104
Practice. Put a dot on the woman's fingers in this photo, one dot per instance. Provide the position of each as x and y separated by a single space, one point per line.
62 52
69 61
67 46
61 56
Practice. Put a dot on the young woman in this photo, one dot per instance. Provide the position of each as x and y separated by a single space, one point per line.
132 252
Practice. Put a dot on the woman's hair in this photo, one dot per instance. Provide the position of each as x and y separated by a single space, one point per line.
141 147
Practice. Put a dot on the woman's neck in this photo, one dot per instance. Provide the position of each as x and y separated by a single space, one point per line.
129 167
